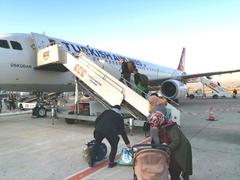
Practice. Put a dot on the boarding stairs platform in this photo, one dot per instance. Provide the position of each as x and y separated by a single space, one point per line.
214 86
102 85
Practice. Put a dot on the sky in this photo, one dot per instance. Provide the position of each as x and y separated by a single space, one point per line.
153 31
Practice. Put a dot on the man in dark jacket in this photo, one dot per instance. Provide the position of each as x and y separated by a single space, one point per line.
125 74
109 125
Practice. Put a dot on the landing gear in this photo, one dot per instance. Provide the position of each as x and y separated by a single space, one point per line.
39 111
191 96
42 112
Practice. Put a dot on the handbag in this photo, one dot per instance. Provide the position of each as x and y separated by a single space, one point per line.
126 157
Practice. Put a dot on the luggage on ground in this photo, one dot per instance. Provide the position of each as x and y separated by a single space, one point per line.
101 154
126 158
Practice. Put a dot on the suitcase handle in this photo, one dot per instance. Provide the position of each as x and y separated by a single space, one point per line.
152 146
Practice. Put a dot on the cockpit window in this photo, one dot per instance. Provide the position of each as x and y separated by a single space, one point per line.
4 44
16 45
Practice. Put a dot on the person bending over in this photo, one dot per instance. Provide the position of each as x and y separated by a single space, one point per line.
109 125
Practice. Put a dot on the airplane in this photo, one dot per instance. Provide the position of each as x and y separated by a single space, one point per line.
20 73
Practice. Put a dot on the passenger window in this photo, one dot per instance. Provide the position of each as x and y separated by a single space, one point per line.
16 45
4 44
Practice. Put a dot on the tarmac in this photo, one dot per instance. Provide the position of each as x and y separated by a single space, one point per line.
50 149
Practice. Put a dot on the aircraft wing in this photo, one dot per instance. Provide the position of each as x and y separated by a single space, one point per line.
187 76
183 77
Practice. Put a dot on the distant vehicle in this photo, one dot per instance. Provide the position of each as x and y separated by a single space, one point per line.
197 94
25 105
29 102
217 92
200 94
26 102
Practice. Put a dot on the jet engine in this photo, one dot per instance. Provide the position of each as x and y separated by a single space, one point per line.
173 89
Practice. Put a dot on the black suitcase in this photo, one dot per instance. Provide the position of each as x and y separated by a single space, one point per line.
101 154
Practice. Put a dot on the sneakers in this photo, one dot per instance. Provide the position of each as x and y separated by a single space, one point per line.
112 164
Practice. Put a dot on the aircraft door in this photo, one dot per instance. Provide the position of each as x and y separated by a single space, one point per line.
40 40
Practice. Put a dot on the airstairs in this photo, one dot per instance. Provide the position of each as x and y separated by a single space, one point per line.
219 90
103 86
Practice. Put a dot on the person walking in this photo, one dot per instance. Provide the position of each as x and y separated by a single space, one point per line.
0 104
125 74
178 146
155 106
109 125
11 101
141 82
234 93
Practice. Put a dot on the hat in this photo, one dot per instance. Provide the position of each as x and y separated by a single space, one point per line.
117 107
154 94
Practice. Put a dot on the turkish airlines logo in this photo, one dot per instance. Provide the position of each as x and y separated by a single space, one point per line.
46 55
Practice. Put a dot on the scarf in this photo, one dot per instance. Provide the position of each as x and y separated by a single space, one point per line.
163 131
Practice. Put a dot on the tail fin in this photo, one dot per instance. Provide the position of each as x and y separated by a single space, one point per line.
181 65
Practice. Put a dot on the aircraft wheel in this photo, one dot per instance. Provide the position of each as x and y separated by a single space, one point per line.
215 96
42 112
191 96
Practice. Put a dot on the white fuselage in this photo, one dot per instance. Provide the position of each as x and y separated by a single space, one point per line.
18 74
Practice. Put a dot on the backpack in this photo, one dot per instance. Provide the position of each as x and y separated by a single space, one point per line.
87 151
131 66
143 79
